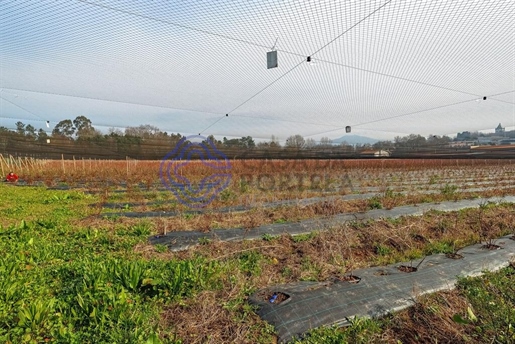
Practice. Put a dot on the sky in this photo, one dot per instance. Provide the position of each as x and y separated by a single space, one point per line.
386 68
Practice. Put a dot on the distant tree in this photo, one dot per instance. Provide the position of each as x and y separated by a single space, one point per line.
272 144
244 142
229 142
345 147
5 134
263 145
213 140
467 136
144 131
64 128
248 142
124 145
20 128
84 127
114 132
435 140
275 142
325 142
400 141
30 131
416 140
295 141
42 135
411 141
173 139
310 143
384 145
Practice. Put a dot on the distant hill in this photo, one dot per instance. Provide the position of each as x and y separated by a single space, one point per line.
355 139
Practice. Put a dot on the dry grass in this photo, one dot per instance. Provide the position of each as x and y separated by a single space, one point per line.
430 321
206 320
332 251
259 216
147 172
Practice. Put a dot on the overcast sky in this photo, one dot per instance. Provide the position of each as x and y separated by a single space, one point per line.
386 68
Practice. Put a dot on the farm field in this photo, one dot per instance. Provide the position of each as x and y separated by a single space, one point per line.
77 266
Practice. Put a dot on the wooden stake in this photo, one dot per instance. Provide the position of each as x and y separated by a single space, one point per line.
2 164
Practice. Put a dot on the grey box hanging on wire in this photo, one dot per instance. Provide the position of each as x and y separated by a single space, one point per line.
271 59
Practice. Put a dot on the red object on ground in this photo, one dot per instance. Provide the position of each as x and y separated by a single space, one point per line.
11 177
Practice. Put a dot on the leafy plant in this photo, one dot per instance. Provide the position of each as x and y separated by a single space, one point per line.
36 316
382 250
268 237
375 203
304 237
142 228
449 190
130 274
250 262
161 248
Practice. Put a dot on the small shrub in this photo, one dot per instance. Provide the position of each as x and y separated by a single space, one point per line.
160 248
268 237
142 228
304 237
375 203
448 190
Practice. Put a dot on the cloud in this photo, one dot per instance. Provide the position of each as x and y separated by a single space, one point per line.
381 67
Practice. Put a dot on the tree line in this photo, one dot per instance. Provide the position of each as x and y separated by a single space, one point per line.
78 138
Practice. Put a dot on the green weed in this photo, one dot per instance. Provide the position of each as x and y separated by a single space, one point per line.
361 330
268 237
449 190
375 203
304 237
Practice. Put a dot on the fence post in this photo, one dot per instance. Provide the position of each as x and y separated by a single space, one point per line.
2 164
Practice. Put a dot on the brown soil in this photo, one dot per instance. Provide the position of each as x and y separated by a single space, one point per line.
490 246
454 256
348 278
276 298
406 268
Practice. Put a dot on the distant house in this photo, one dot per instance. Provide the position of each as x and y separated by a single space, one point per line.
375 153
507 142
486 140
499 130
462 144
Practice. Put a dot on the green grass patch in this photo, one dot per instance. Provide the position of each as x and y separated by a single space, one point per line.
66 279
